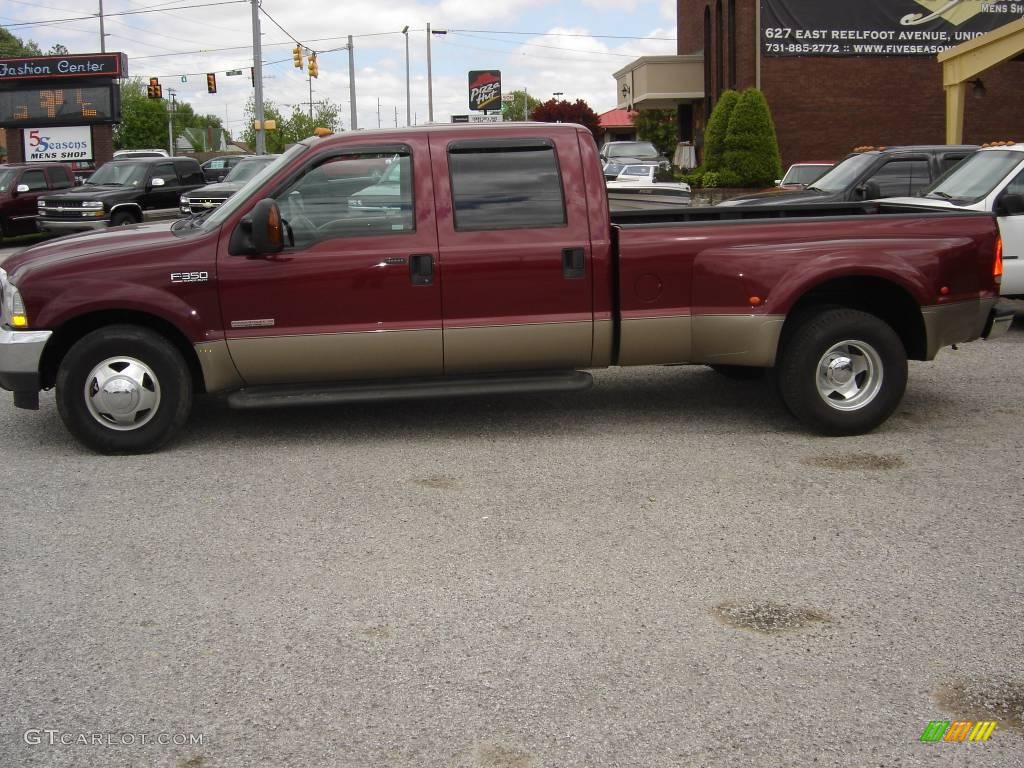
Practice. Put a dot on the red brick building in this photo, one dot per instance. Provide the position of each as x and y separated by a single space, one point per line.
824 105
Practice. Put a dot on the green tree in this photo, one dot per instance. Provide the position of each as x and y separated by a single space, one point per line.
658 126
57 50
275 140
718 126
751 147
143 120
520 107
554 111
300 125
12 47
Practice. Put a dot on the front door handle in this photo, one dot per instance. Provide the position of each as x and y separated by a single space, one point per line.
573 263
421 269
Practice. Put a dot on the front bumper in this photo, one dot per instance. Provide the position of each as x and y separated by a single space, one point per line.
71 225
20 355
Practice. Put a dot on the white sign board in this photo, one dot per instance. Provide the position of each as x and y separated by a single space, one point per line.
57 144
496 118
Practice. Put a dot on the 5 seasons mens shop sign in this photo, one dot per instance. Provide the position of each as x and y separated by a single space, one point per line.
58 144
877 27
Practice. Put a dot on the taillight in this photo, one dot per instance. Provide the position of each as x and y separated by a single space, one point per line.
997 266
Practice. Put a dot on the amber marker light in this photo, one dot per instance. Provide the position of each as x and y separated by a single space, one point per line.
997 267
755 301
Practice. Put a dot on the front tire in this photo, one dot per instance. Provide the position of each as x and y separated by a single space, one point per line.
123 219
123 389
842 371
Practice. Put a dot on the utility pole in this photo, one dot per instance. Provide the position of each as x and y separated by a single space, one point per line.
310 78
103 37
430 81
408 101
257 76
396 117
170 123
351 83
378 111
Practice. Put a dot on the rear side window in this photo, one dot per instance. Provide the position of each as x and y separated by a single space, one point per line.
190 173
61 177
506 187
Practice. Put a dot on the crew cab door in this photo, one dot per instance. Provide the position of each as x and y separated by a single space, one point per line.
162 194
23 205
358 294
515 253
1011 229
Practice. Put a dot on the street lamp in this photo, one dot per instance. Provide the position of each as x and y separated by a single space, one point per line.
408 108
430 78
557 94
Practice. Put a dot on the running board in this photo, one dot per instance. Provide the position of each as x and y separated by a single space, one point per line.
415 389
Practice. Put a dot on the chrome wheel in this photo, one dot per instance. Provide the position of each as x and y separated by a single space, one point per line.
122 393
849 375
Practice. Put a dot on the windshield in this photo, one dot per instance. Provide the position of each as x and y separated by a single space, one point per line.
974 178
804 174
238 199
6 177
246 169
121 173
639 149
843 175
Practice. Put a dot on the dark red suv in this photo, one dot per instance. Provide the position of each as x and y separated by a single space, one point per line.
21 184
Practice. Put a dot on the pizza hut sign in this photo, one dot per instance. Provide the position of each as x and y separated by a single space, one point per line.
485 89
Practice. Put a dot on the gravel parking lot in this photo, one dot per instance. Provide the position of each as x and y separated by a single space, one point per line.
665 571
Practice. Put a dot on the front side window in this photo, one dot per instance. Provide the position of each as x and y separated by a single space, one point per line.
898 178
166 172
510 187
352 195
35 180
976 176
119 173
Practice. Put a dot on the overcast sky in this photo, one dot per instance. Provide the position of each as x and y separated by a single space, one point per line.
572 47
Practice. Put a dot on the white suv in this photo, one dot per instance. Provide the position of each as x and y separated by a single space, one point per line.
126 153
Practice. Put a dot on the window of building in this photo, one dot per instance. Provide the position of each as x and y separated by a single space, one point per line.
709 100
516 186
719 56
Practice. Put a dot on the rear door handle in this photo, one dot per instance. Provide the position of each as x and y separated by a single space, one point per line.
573 263
421 269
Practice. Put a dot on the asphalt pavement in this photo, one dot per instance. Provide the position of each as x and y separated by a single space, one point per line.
664 571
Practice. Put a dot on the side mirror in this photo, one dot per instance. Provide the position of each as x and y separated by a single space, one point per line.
157 182
21 188
1009 205
267 228
778 182
869 190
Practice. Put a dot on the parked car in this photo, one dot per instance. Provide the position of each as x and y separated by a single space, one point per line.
216 169
213 195
120 193
638 187
991 180
801 175
869 175
502 270
124 154
21 184
82 169
616 155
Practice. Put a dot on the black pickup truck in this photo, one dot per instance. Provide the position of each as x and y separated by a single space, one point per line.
870 175
120 192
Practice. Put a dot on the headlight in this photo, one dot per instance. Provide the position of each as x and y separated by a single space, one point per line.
183 200
93 204
13 313
41 203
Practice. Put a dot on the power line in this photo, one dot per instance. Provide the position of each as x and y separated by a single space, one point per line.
267 14
121 13
561 34
551 47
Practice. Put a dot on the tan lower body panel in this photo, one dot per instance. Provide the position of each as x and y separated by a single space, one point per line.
219 372
537 346
337 356
722 339
655 340
954 323
604 336
737 339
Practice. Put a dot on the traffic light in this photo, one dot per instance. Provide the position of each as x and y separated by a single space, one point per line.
155 90
211 82
297 56
314 70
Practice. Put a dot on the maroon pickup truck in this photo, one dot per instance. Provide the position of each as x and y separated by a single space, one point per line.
451 260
